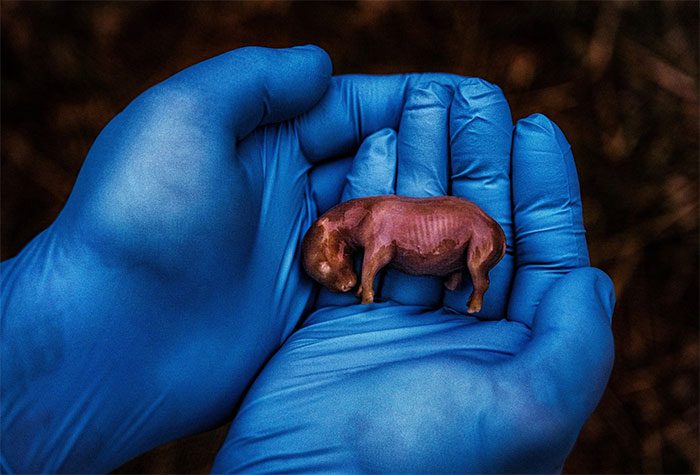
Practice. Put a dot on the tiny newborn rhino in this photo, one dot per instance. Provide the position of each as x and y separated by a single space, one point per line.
439 236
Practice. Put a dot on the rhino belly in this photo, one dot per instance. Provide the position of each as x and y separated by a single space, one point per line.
430 246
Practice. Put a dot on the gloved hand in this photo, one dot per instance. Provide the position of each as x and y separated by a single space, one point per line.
172 274
413 384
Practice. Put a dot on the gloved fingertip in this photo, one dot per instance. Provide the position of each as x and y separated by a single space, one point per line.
540 124
374 166
429 94
537 125
473 90
325 65
385 132
310 47
384 137
539 119
380 147
593 281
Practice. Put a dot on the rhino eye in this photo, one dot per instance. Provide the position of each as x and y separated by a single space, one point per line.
324 267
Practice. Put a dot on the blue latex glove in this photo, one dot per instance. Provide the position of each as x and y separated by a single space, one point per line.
412 384
172 274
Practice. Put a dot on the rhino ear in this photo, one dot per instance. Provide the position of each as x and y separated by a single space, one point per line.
324 267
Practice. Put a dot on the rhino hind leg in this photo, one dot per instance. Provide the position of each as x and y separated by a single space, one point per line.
454 280
479 262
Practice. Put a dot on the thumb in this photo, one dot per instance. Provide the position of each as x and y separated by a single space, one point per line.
254 86
571 352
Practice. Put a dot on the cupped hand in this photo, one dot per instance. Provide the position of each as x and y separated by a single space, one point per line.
413 384
172 274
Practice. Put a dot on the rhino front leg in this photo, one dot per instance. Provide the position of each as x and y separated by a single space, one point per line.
374 260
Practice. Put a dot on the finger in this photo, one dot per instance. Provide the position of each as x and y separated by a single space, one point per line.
481 132
374 169
250 86
568 361
357 106
550 239
372 173
423 162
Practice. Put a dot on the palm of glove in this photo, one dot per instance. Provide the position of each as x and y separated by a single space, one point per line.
395 389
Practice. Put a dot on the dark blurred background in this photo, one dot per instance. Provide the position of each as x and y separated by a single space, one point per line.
621 79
